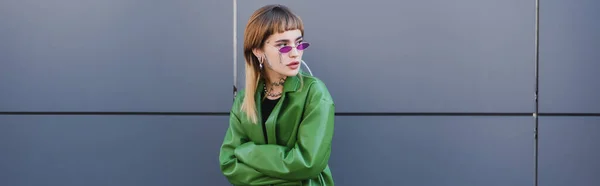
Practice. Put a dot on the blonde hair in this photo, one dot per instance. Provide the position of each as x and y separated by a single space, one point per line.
264 22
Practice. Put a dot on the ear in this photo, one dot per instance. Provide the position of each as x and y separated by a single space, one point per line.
257 53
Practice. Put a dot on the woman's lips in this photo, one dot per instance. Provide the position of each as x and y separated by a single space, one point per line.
293 65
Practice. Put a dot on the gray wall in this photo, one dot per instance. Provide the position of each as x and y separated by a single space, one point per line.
137 92
569 144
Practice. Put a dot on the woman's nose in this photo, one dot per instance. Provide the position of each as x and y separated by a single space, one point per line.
294 52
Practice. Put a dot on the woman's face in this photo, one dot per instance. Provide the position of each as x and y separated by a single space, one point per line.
283 52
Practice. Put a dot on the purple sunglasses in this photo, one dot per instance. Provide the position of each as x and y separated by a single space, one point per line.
300 46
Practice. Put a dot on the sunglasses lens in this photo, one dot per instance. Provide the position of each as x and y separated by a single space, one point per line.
303 46
285 49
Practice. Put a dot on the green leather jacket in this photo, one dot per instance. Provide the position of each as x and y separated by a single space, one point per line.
299 132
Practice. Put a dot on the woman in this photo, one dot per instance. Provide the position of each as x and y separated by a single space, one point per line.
281 125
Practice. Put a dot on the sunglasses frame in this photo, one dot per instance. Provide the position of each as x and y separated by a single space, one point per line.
300 46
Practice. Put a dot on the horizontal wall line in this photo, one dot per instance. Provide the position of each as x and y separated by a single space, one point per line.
120 113
432 114
462 114
337 114
569 114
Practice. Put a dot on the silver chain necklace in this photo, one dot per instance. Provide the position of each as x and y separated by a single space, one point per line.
269 92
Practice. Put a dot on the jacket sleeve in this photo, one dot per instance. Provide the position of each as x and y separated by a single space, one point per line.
309 156
238 173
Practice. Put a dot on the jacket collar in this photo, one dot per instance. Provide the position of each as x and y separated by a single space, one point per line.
291 84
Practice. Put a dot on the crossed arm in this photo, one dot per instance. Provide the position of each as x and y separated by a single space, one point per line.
234 170
246 163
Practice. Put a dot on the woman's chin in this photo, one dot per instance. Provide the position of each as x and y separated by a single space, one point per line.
291 72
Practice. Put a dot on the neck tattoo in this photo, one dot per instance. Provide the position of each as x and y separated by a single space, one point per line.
269 91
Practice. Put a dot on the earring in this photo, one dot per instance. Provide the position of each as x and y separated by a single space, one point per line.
260 65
